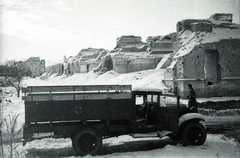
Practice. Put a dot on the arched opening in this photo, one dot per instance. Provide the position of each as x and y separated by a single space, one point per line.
29 73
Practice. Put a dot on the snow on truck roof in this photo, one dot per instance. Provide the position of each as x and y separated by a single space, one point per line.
147 89
89 88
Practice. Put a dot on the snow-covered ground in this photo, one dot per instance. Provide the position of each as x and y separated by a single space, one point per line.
216 145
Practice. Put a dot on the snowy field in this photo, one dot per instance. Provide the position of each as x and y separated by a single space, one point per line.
216 145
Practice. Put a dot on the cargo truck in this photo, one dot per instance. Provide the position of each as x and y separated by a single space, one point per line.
90 113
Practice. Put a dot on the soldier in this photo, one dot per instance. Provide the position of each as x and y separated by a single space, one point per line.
192 103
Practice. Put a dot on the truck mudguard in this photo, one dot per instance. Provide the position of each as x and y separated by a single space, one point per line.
191 116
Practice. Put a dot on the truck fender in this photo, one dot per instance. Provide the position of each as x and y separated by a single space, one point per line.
190 116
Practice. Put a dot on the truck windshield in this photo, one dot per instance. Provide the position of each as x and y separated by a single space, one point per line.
149 98
152 98
168 101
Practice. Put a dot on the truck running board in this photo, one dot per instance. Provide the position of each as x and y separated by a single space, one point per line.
159 134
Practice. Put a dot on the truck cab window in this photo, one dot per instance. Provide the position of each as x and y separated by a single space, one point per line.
152 98
139 99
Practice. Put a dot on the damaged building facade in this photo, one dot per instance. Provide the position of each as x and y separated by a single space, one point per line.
131 54
33 67
207 57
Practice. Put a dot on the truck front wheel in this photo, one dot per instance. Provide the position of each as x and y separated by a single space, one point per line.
194 134
87 141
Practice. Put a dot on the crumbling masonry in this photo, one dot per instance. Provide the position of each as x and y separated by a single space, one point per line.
212 67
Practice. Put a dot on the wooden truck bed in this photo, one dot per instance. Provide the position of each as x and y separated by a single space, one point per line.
52 108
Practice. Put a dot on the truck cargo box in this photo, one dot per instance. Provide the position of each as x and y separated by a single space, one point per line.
51 105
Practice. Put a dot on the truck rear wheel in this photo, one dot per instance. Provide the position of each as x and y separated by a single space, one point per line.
194 134
87 141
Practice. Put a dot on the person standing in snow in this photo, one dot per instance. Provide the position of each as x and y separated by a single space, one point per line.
192 103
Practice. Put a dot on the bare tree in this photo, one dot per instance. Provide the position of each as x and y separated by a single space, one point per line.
14 77
1 140
16 82
11 132
10 63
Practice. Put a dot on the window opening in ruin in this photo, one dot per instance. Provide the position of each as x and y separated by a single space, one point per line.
87 67
209 83
211 66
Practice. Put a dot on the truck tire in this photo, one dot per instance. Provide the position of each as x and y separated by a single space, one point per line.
87 141
194 134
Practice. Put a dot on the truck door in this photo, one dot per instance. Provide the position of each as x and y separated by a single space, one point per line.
168 112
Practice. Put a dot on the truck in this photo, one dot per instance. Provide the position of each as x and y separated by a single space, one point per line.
90 113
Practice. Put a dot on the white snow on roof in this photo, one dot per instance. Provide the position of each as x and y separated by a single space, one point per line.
146 78
190 39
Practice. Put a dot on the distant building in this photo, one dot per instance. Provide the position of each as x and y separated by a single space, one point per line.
7 71
34 67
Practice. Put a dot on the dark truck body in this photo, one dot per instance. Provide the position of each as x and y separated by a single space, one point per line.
102 111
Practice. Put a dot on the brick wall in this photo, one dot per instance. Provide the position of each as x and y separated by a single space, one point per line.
212 68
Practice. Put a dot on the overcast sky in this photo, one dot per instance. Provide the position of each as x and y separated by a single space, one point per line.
53 28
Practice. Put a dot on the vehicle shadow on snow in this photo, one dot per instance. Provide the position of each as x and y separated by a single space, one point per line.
141 145
50 152
107 148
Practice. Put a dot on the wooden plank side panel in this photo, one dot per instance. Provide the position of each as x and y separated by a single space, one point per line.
68 88
103 88
92 110
67 110
120 95
76 96
120 109
90 96
102 96
40 97
56 97
49 88
79 88
37 112
62 88
126 88
47 111
96 110
39 89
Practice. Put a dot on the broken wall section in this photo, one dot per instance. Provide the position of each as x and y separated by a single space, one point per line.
165 61
212 68
194 25
131 62
161 45
129 41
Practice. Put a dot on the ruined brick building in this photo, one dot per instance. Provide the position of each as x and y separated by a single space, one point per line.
33 66
207 56
132 54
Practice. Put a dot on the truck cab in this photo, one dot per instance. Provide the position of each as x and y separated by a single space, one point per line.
157 110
